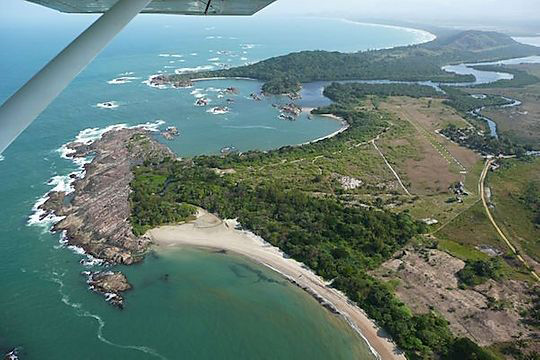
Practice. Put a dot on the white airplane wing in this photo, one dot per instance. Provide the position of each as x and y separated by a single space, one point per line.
185 7
18 112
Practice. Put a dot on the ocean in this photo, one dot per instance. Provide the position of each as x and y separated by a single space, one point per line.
186 303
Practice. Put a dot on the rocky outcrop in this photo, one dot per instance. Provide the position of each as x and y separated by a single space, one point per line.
162 80
12 355
96 217
109 284
170 133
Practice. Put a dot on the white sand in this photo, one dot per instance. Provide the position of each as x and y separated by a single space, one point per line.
210 232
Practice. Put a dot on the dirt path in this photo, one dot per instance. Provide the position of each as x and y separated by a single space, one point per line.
391 168
481 190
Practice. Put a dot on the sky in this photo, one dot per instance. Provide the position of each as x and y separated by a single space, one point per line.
400 10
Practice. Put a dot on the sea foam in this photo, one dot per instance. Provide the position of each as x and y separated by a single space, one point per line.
46 220
193 69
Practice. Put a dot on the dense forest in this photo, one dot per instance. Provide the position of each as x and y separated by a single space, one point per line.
410 63
339 241
346 93
484 144
521 78
465 103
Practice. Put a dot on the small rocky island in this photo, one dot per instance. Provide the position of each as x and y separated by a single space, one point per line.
95 217
163 80
110 284
12 355
170 133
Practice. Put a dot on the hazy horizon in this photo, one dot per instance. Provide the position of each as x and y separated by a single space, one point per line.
426 11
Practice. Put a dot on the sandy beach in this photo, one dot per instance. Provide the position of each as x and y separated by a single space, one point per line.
344 126
208 231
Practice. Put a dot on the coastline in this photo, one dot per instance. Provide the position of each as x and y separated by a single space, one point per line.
209 232
423 36
344 127
223 78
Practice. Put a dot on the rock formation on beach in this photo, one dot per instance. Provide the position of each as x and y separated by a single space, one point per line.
95 217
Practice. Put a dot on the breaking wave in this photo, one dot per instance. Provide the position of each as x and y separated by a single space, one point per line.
80 312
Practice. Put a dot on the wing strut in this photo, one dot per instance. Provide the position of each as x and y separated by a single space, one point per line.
207 7
29 101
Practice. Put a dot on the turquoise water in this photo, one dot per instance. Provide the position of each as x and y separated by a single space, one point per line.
209 306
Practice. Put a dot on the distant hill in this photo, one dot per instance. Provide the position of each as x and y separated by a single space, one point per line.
476 41
409 63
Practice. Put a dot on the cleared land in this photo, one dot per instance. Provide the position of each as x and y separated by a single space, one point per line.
489 313
436 163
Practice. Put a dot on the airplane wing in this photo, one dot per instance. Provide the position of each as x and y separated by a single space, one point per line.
18 112
185 7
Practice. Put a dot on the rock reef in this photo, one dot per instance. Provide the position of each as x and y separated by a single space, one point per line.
95 216
111 285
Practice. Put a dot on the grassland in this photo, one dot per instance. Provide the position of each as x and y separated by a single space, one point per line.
511 213
520 123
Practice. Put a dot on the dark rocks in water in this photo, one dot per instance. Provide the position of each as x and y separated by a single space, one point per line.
165 277
54 203
228 150
96 215
294 96
231 90
291 109
170 133
12 355
111 285
202 101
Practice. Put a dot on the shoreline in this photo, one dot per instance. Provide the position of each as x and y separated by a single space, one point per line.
224 78
423 36
209 232
344 127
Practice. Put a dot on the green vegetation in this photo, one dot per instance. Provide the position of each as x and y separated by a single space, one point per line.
149 208
411 63
350 92
521 78
465 349
337 238
464 102
479 271
532 314
487 145
514 188
531 199
282 85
